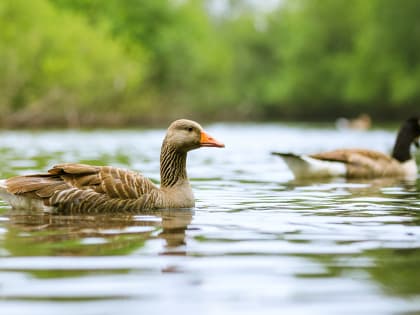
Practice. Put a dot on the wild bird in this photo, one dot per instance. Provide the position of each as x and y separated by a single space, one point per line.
361 122
360 163
80 188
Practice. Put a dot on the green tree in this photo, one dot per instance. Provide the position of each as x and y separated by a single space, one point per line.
188 66
385 66
53 64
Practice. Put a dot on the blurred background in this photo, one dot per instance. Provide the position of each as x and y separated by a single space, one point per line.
71 63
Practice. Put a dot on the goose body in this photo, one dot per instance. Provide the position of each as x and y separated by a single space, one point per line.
80 188
360 163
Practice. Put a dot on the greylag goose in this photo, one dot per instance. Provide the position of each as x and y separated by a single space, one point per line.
80 188
360 163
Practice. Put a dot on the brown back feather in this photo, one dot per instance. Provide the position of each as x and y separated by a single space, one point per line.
112 181
352 155
74 168
363 163
79 187
73 201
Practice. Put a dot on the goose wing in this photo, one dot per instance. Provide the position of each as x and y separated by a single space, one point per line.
111 181
80 187
362 163
353 156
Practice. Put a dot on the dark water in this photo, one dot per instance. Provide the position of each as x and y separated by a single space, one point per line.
257 242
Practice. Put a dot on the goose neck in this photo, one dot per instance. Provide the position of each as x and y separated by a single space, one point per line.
172 166
401 151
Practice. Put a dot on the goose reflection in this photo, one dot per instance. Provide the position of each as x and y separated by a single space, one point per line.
30 234
377 187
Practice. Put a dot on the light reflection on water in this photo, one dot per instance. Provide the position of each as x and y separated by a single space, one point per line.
257 242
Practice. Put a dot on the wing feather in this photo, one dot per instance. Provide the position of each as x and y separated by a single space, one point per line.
359 156
363 163
85 188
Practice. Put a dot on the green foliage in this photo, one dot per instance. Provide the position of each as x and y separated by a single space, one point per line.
188 65
324 58
386 59
314 43
53 61
115 61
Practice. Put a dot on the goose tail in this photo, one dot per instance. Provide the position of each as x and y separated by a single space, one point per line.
3 189
305 166
21 202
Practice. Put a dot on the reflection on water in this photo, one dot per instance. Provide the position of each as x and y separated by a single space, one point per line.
258 241
85 235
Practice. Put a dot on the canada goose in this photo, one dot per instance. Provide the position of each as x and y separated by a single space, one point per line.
360 163
72 188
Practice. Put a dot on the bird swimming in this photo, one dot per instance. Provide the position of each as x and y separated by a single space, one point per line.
81 188
360 163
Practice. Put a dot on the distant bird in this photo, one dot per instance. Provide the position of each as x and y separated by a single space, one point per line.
362 122
360 163
79 188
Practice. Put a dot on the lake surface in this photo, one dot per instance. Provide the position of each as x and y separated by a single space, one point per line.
257 242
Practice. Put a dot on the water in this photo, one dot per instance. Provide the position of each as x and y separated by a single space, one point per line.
257 242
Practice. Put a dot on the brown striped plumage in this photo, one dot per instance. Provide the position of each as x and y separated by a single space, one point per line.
76 188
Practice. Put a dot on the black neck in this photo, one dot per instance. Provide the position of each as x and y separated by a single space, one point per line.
405 138
172 166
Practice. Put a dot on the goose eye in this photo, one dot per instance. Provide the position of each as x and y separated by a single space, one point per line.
190 129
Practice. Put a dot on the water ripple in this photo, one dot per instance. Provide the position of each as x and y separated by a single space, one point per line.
257 242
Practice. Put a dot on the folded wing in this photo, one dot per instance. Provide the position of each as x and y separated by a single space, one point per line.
86 188
362 163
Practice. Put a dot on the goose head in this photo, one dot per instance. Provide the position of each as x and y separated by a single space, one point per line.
185 135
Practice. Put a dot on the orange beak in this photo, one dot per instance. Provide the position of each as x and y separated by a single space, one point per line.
208 141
